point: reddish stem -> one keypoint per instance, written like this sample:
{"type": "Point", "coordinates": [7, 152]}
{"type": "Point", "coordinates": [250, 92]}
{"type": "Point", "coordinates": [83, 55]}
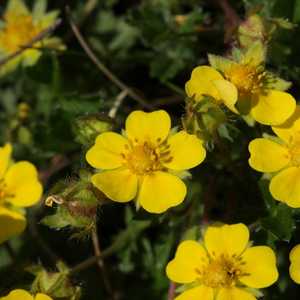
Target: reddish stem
{"type": "Point", "coordinates": [171, 292]}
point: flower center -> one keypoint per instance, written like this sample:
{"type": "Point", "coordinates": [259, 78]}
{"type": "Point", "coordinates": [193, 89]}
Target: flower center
{"type": "Point", "coordinates": [294, 150]}
{"type": "Point", "coordinates": [18, 31]}
{"type": "Point", "coordinates": [144, 158]}
{"type": "Point", "coordinates": [247, 79]}
{"type": "Point", "coordinates": [222, 272]}
{"type": "Point", "coordinates": [4, 195]}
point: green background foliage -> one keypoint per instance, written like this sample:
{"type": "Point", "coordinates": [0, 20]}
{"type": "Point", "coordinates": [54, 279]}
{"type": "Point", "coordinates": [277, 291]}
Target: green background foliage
{"type": "Point", "coordinates": [152, 46]}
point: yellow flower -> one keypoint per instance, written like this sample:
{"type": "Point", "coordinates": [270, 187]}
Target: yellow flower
{"type": "Point", "coordinates": [244, 87]}
{"type": "Point", "coordinates": [19, 27]}
{"type": "Point", "coordinates": [145, 163]}
{"type": "Point", "coordinates": [281, 156]}
{"type": "Point", "coordinates": [295, 264]}
{"type": "Point", "coordinates": [23, 295]}
{"type": "Point", "coordinates": [223, 266]}
{"type": "Point", "coordinates": [19, 187]}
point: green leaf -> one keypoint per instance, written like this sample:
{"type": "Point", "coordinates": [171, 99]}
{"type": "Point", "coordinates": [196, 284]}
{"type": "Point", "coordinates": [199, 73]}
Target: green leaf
{"type": "Point", "coordinates": [280, 223]}
{"type": "Point", "coordinates": [268, 199]}
{"type": "Point", "coordinates": [296, 16]}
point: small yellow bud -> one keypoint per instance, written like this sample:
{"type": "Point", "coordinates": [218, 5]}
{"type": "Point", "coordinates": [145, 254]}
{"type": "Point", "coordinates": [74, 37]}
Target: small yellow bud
{"type": "Point", "coordinates": [23, 110]}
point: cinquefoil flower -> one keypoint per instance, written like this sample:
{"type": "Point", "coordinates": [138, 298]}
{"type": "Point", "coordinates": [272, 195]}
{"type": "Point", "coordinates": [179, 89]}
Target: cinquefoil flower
{"type": "Point", "coordinates": [244, 86]}
{"type": "Point", "coordinates": [19, 27]}
{"type": "Point", "coordinates": [223, 266]}
{"type": "Point", "coordinates": [19, 187]}
{"type": "Point", "coordinates": [23, 295]}
{"type": "Point", "coordinates": [144, 164]}
{"type": "Point", "coordinates": [282, 157]}
{"type": "Point", "coordinates": [295, 264]}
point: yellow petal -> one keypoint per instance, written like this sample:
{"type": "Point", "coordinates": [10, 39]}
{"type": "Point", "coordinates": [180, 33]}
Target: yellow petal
{"type": "Point", "coordinates": [5, 154]}
{"type": "Point", "coordinates": [285, 186]}
{"type": "Point", "coordinates": [290, 129]}
{"type": "Point", "coordinates": [228, 93]}
{"type": "Point", "coordinates": [226, 239]}
{"type": "Point", "coordinates": [106, 153]}
{"type": "Point", "coordinates": [260, 264]}
{"type": "Point", "coordinates": [186, 150]}
{"type": "Point", "coordinates": [295, 272]}
{"type": "Point", "coordinates": [17, 7]}
{"type": "Point", "coordinates": [118, 185]}
{"type": "Point", "coordinates": [199, 293]}
{"type": "Point", "coordinates": [201, 83]}
{"type": "Point", "coordinates": [234, 294]}
{"type": "Point", "coordinates": [189, 257]}
{"type": "Point", "coordinates": [160, 191]}
{"type": "Point", "coordinates": [295, 264]}
{"type": "Point", "coordinates": [42, 297]}
{"type": "Point", "coordinates": [151, 127]}
{"type": "Point", "coordinates": [268, 156]}
{"type": "Point", "coordinates": [22, 183]}
{"type": "Point", "coordinates": [273, 108]}
{"type": "Point", "coordinates": [18, 295]}
{"type": "Point", "coordinates": [295, 254]}
{"type": "Point", "coordinates": [11, 224]}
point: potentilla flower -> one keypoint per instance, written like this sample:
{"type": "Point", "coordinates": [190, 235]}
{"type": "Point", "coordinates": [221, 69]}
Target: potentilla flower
{"type": "Point", "coordinates": [295, 264]}
{"type": "Point", "coordinates": [280, 156]}
{"type": "Point", "coordinates": [244, 86]}
{"type": "Point", "coordinates": [19, 28]}
{"type": "Point", "coordinates": [19, 188]}
{"type": "Point", "coordinates": [145, 163]}
{"type": "Point", "coordinates": [24, 295]}
{"type": "Point", "coordinates": [223, 266]}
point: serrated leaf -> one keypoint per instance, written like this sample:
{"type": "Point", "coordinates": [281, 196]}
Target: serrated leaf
{"type": "Point", "coordinates": [280, 223]}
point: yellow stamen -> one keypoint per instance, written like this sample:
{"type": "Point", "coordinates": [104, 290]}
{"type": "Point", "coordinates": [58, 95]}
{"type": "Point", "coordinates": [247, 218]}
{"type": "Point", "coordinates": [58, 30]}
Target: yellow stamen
{"type": "Point", "coordinates": [248, 79]}
{"type": "Point", "coordinates": [4, 194]}
{"type": "Point", "coordinates": [144, 158]}
{"type": "Point", "coordinates": [294, 150]}
{"type": "Point", "coordinates": [221, 272]}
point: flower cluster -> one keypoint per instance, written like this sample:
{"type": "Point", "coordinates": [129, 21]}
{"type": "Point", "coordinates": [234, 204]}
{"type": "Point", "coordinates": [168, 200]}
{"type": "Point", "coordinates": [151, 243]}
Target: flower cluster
{"type": "Point", "coordinates": [281, 157]}
{"type": "Point", "coordinates": [243, 86]}
{"type": "Point", "coordinates": [149, 162]}
{"type": "Point", "coordinates": [20, 28]}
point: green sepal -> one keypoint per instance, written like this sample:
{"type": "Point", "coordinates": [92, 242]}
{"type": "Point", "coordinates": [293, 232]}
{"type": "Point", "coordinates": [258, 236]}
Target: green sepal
{"type": "Point", "coordinates": [78, 201]}
{"type": "Point", "coordinates": [254, 55]}
{"type": "Point", "coordinates": [251, 30]}
{"type": "Point", "coordinates": [55, 284]}
{"type": "Point", "coordinates": [283, 23]}
{"type": "Point", "coordinates": [277, 83]}
{"type": "Point", "coordinates": [220, 63]}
